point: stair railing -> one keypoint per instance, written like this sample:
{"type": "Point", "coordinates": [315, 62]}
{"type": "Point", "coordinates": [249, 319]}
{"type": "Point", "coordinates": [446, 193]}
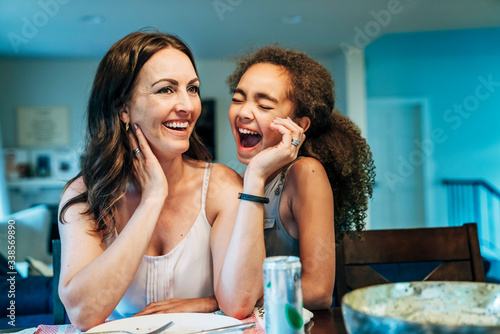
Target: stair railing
{"type": "Point", "coordinates": [476, 201]}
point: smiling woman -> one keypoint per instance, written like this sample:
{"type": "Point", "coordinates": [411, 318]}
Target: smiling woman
{"type": "Point", "coordinates": [168, 81]}
{"type": "Point", "coordinates": [144, 225]}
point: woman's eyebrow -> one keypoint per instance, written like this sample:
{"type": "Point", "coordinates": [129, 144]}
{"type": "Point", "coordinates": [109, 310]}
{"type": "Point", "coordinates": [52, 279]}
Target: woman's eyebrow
{"type": "Point", "coordinates": [175, 82]}
{"type": "Point", "coordinates": [172, 81]}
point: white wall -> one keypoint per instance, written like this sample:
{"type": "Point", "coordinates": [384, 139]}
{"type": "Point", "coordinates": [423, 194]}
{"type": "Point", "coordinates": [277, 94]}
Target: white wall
{"type": "Point", "coordinates": [32, 82]}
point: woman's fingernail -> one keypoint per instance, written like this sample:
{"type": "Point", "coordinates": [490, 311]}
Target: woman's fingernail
{"type": "Point", "coordinates": [289, 118]}
{"type": "Point", "coordinates": [136, 126]}
{"type": "Point", "coordinates": [278, 118]}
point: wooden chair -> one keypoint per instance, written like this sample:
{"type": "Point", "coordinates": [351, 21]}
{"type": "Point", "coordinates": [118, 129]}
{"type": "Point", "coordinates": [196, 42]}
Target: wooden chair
{"type": "Point", "coordinates": [455, 251]}
{"type": "Point", "coordinates": [58, 309]}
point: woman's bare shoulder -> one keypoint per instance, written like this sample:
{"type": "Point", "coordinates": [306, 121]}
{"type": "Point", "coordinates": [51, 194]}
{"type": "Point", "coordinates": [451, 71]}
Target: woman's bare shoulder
{"type": "Point", "coordinates": [73, 189]}
{"type": "Point", "coordinates": [218, 171]}
{"type": "Point", "coordinates": [226, 175]}
{"type": "Point", "coordinates": [75, 212]}
{"type": "Point", "coordinates": [223, 189]}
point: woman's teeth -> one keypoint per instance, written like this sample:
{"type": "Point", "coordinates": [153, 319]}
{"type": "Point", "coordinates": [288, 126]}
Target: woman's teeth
{"type": "Point", "coordinates": [176, 125]}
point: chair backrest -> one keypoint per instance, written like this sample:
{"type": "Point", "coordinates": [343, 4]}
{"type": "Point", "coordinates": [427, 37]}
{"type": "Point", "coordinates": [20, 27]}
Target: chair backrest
{"type": "Point", "coordinates": [33, 228]}
{"type": "Point", "coordinates": [58, 310]}
{"type": "Point", "coordinates": [455, 251]}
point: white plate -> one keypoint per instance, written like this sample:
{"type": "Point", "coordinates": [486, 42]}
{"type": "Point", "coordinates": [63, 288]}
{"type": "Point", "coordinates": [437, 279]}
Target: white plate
{"type": "Point", "coordinates": [184, 323]}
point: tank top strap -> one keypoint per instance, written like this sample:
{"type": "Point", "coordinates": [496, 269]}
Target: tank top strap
{"type": "Point", "coordinates": [282, 176]}
{"type": "Point", "coordinates": [206, 179]}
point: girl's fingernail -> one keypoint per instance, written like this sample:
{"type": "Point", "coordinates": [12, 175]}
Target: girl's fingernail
{"type": "Point", "coordinates": [136, 126]}
{"type": "Point", "coordinates": [289, 118]}
{"type": "Point", "coordinates": [277, 118]}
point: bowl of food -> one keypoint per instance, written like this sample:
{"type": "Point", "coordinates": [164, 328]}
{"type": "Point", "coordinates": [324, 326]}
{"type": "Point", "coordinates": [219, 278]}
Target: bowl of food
{"type": "Point", "coordinates": [423, 307]}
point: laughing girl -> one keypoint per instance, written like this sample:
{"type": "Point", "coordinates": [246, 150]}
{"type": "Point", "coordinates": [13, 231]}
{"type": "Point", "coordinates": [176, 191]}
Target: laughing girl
{"type": "Point", "coordinates": [309, 160]}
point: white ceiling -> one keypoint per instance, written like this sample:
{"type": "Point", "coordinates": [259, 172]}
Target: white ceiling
{"type": "Point", "coordinates": [221, 28]}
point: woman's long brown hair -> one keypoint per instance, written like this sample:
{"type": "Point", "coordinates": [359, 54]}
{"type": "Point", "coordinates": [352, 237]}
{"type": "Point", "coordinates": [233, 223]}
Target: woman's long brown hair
{"type": "Point", "coordinates": [107, 159]}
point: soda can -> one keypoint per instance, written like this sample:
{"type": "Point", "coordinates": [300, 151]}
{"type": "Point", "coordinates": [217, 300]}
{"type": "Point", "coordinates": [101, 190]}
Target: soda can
{"type": "Point", "coordinates": [283, 295]}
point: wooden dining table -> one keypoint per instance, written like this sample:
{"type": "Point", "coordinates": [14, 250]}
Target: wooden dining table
{"type": "Point", "coordinates": [327, 321]}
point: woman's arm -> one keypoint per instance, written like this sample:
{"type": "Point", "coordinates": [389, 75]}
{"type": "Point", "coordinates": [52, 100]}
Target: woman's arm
{"type": "Point", "coordinates": [310, 199]}
{"type": "Point", "coordinates": [93, 278]}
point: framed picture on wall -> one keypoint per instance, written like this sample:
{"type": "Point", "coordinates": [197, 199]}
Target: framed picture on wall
{"type": "Point", "coordinates": [43, 126]}
{"type": "Point", "coordinates": [205, 126]}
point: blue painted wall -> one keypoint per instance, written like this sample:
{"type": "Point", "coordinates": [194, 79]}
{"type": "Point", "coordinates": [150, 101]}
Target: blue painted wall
{"type": "Point", "coordinates": [458, 74]}
{"type": "Point", "coordinates": [453, 70]}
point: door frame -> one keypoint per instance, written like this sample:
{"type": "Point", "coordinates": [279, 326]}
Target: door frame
{"type": "Point", "coordinates": [427, 165]}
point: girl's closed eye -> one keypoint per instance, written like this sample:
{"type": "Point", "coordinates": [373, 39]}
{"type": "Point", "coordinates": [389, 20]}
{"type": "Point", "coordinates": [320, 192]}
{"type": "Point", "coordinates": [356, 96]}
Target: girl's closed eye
{"type": "Point", "coordinates": [265, 107]}
{"type": "Point", "coordinates": [238, 97]}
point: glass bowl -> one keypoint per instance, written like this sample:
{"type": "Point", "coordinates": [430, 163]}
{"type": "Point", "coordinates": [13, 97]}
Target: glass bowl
{"type": "Point", "coordinates": [423, 307]}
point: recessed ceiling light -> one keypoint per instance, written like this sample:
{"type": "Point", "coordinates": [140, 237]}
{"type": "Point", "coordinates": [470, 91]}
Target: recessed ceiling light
{"type": "Point", "coordinates": [92, 19]}
{"type": "Point", "coordinates": [291, 19]}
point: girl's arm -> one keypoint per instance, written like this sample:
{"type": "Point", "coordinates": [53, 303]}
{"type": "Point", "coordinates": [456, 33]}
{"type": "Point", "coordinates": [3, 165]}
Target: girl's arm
{"type": "Point", "coordinates": [237, 248]}
{"type": "Point", "coordinates": [93, 278]}
{"type": "Point", "coordinates": [239, 258]}
{"type": "Point", "coordinates": [310, 200]}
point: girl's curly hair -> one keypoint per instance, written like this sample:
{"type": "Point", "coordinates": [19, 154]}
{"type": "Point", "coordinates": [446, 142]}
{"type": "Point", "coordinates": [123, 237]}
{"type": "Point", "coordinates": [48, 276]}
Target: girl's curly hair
{"type": "Point", "coordinates": [332, 138]}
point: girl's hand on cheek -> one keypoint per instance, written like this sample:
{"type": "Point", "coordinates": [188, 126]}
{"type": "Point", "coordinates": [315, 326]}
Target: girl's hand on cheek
{"type": "Point", "coordinates": [273, 158]}
{"type": "Point", "coordinates": [147, 169]}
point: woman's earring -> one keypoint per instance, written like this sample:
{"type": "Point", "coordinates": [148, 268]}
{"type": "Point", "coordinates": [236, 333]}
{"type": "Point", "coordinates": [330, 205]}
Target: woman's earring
{"type": "Point", "coordinates": [126, 126]}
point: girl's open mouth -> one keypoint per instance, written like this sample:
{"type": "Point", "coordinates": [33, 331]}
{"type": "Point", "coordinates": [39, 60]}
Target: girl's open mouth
{"type": "Point", "coordinates": [249, 138]}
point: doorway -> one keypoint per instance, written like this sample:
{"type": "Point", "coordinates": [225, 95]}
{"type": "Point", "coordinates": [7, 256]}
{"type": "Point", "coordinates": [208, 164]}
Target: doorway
{"type": "Point", "coordinates": [395, 132]}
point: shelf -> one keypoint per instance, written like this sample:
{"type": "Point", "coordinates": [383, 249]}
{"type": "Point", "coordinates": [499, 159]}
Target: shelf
{"type": "Point", "coordinates": [36, 183]}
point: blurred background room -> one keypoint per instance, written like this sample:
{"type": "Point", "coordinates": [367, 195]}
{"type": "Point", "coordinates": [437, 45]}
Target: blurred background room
{"type": "Point", "coordinates": [421, 79]}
